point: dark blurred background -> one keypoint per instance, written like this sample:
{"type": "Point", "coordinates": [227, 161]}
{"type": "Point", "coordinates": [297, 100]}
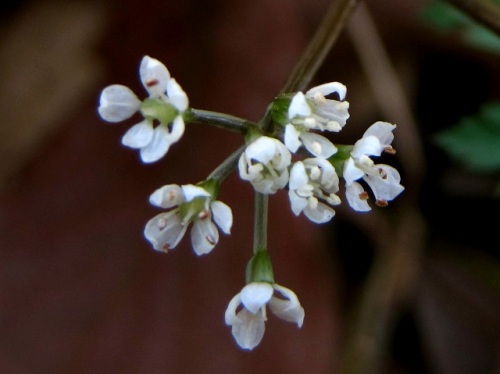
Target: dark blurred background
{"type": "Point", "coordinates": [413, 288]}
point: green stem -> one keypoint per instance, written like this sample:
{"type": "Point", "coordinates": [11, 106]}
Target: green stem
{"type": "Point", "coordinates": [227, 166]}
{"type": "Point", "coordinates": [221, 120]}
{"type": "Point", "coordinates": [260, 222]}
{"type": "Point", "coordinates": [320, 45]}
{"type": "Point", "coordinates": [315, 53]}
{"type": "Point", "coordinates": [312, 58]}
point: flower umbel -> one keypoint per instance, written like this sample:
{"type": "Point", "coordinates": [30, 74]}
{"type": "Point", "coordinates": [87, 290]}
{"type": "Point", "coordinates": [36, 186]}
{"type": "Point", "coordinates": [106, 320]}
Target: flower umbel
{"type": "Point", "coordinates": [190, 203]}
{"type": "Point", "coordinates": [165, 105]}
{"type": "Point", "coordinates": [248, 324]}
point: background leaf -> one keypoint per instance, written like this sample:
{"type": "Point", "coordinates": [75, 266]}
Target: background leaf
{"type": "Point", "coordinates": [475, 140]}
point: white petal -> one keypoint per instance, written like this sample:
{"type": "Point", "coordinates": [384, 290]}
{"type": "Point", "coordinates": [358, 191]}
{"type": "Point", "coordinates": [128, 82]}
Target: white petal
{"type": "Point", "coordinates": [333, 113]}
{"type": "Point", "coordinates": [243, 167]}
{"type": "Point", "coordinates": [204, 236]}
{"type": "Point", "coordinates": [262, 149]}
{"type": "Point", "coordinates": [329, 179]}
{"type": "Point", "coordinates": [165, 231]}
{"type": "Point", "coordinates": [289, 310]}
{"type": "Point", "coordinates": [351, 172]}
{"type": "Point", "coordinates": [327, 89]}
{"type": "Point", "coordinates": [167, 196]}
{"type": "Point", "coordinates": [298, 176]}
{"type": "Point", "coordinates": [318, 145]}
{"type": "Point", "coordinates": [177, 130]}
{"type": "Point", "coordinates": [383, 131]}
{"type": "Point", "coordinates": [256, 295]}
{"type": "Point", "coordinates": [222, 215]}
{"type": "Point", "coordinates": [158, 147]}
{"type": "Point", "coordinates": [249, 332]}
{"type": "Point", "coordinates": [117, 103]}
{"type": "Point", "coordinates": [230, 315]}
{"type": "Point", "coordinates": [291, 138]}
{"type": "Point", "coordinates": [297, 203]}
{"type": "Point", "coordinates": [282, 158]}
{"type": "Point", "coordinates": [385, 188]}
{"type": "Point", "coordinates": [352, 194]}
{"type": "Point", "coordinates": [191, 192]}
{"type": "Point", "coordinates": [368, 145]}
{"type": "Point", "coordinates": [177, 95]}
{"type": "Point", "coordinates": [139, 135]}
{"type": "Point", "coordinates": [322, 213]}
{"type": "Point", "coordinates": [299, 106]}
{"type": "Point", "coordinates": [266, 186]}
{"type": "Point", "coordinates": [154, 76]}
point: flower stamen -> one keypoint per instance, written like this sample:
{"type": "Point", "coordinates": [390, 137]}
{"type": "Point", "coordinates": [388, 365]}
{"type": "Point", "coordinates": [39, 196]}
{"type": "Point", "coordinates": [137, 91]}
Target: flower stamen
{"type": "Point", "coordinates": [152, 82]}
{"type": "Point", "coordinates": [211, 240]}
{"type": "Point", "coordinates": [204, 214]}
{"type": "Point", "coordinates": [390, 150]}
{"type": "Point", "coordinates": [364, 195]}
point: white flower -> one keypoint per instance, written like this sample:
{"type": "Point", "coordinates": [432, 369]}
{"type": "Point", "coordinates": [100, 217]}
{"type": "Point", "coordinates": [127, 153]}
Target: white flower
{"type": "Point", "coordinates": [384, 180]}
{"type": "Point", "coordinates": [313, 111]}
{"type": "Point", "coordinates": [118, 103]}
{"type": "Point", "coordinates": [248, 324]}
{"type": "Point", "coordinates": [330, 115]}
{"type": "Point", "coordinates": [297, 131]}
{"type": "Point", "coordinates": [313, 182]}
{"type": "Point", "coordinates": [264, 163]}
{"type": "Point", "coordinates": [166, 230]}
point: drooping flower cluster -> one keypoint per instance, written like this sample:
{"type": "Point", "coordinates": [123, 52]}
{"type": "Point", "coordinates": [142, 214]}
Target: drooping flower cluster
{"type": "Point", "coordinates": [166, 104]}
{"type": "Point", "coordinates": [189, 204]}
{"type": "Point", "coordinates": [248, 324]}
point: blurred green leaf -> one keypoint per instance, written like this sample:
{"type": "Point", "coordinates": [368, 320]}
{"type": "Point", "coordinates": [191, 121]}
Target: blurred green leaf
{"type": "Point", "coordinates": [446, 18]}
{"type": "Point", "coordinates": [443, 16]}
{"type": "Point", "coordinates": [475, 140]}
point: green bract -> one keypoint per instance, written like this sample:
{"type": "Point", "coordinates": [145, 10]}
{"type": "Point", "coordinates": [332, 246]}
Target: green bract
{"type": "Point", "coordinates": [259, 268]}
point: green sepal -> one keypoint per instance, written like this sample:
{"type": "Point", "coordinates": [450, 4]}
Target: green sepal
{"type": "Point", "coordinates": [212, 186]}
{"type": "Point", "coordinates": [252, 134]}
{"type": "Point", "coordinates": [188, 115]}
{"type": "Point", "coordinates": [157, 109]}
{"type": "Point", "coordinates": [338, 159]}
{"type": "Point", "coordinates": [260, 268]}
{"type": "Point", "coordinates": [190, 209]}
{"type": "Point", "coordinates": [279, 109]}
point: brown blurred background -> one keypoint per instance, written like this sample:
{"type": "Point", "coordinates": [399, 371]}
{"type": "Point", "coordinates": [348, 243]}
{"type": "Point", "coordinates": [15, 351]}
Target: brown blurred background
{"type": "Point", "coordinates": [412, 289]}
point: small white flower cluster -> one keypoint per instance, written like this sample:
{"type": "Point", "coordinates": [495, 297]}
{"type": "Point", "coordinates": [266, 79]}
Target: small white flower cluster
{"type": "Point", "coordinates": [166, 104]}
{"type": "Point", "coordinates": [248, 324]}
{"type": "Point", "coordinates": [313, 183]}
{"type": "Point", "coordinates": [266, 162]}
